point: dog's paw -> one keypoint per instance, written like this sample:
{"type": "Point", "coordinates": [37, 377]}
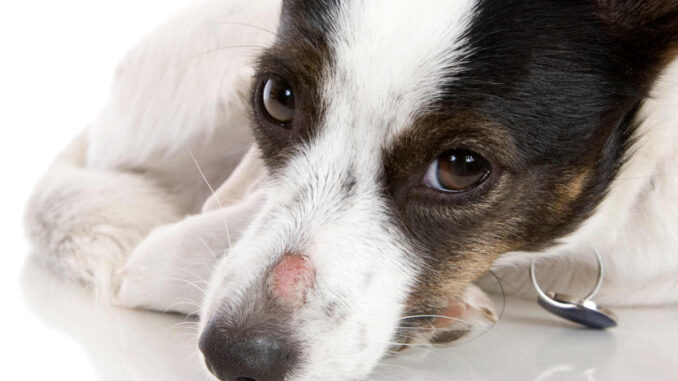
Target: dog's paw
{"type": "Point", "coordinates": [474, 313]}
{"type": "Point", "coordinates": [168, 271]}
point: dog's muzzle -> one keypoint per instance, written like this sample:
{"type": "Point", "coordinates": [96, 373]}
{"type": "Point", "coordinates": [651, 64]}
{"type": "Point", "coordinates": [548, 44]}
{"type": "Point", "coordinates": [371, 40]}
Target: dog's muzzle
{"type": "Point", "coordinates": [255, 343]}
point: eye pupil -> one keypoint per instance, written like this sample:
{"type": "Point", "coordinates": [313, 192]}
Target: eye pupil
{"type": "Point", "coordinates": [278, 101]}
{"type": "Point", "coordinates": [460, 170]}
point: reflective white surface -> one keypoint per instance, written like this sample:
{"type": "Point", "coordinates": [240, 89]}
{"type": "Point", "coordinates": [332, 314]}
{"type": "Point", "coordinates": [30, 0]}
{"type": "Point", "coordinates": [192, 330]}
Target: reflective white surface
{"type": "Point", "coordinates": [58, 57]}
{"type": "Point", "coordinates": [105, 343]}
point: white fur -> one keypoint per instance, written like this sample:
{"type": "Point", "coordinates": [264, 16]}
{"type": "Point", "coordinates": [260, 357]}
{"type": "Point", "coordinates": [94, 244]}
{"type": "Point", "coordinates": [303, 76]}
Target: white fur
{"type": "Point", "coordinates": [178, 102]}
{"type": "Point", "coordinates": [389, 47]}
{"type": "Point", "coordinates": [85, 222]}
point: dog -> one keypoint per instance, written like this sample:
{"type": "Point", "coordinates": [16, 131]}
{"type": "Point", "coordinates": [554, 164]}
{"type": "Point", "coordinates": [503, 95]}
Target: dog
{"type": "Point", "coordinates": [399, 150]}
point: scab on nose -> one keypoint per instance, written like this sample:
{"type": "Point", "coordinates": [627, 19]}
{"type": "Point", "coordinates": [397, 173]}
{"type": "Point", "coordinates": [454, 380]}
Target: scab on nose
{"type": "Point", "coordinates": [291, 279]}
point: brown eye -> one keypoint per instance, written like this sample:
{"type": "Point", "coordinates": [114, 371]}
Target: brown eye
{"type": "Point", "coordinates": [278, 101]}
{"type": "Point", "coordinates": [457, 170]}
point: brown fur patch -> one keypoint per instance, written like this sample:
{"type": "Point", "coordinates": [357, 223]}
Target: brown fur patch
{"type": "Point", "coordinates": [572, 190]}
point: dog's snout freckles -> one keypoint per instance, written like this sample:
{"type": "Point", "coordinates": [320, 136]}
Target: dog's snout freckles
{"type": "Point", "coordinates": [291, 280]}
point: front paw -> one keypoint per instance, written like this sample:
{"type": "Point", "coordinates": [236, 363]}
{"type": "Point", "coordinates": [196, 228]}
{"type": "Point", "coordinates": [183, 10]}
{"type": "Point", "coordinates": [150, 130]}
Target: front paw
{"type": "Point", "coordinates": [166, 272]}
{"type": "Point", "coordinates": [170, 269]}
{"type": "Point", "coordinates": [475, 312]}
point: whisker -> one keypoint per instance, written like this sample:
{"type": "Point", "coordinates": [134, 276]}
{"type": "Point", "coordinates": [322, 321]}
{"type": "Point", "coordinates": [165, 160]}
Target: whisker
{"type": "Point", "coordinates": [209, 249]}
{"type": "Point", "coordinates": [185, 302]}
{"type": "Point", "coordinates": [228, 234]}
{"type": "Point", "coordinates": [250, 26]}
{"type": "Point", "coordinates": [207, 52]}
{"type": "Point", "coordinates": [407, 345]}
{"type": "Point", "coordinates": [182, 325]}
{"type": "Point", "coordinates": [188, 282]}
{"type": "Point", "coordinates": [193, 335]}
{"type": "Point", "coordinates": [491, 332]}
{"type": "Point", "coordinates": [189, 331]}
{"type": "Point", "coordinates": [503, 296]}
{"type": "Point", "coordinates": [198, 278]}
{"type": "Point", "coordinates": [470, 324]}
{"type": "Point", "coordinates": [436, 317]}
{"type": "Point", "coordinates": [187, 323]}
{"type": "Point", "coordinates": [431, 329]}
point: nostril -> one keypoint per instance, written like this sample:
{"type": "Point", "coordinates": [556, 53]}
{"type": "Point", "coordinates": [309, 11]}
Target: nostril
{"type": "Point", "coordinates": [245, 379]}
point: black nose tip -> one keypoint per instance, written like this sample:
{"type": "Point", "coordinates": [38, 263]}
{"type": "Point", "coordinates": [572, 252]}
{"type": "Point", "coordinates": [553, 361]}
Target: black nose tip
{"type": "Point", "coordinates": [245, 357]}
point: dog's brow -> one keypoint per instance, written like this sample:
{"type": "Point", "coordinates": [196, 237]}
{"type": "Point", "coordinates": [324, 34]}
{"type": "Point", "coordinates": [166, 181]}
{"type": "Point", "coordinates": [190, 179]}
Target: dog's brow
{"type": "Point", "coordinates": [390, 57]}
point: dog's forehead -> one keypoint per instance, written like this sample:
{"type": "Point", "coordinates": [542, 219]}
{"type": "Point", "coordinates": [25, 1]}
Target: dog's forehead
{"type": "Point", "coordinates": [390, 56]}
{"type": "Point", "coordinates": [387, 59]}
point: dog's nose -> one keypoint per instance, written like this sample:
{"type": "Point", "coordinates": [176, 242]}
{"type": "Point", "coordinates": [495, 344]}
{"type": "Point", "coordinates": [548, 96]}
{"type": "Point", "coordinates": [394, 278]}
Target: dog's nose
{"type": "Point", "coordinates": [257, 357]}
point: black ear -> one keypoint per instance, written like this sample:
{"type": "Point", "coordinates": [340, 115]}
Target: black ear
{"type": "Point", "coordinates": [647, 22]}
{"type": "Point", "coordinates": [646, 34]}
{"type": "Point", "coordinates": [639, 13]}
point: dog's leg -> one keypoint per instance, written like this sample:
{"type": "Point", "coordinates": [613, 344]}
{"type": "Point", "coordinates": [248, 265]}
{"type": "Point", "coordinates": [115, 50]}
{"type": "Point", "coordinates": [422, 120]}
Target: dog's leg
{"type": "Point", "coordinates": [170, 269]}
{"type": "Point", "coordinates": [85, 221]}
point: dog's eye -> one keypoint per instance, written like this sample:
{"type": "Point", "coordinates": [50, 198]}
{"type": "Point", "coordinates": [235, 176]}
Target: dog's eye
{"type": "Point", "coordinates": [457, 170]}
{"type": "Point", "coordinates": [278, 101]}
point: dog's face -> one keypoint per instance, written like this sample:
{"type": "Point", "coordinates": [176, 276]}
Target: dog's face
{"type": "Point", "coordinates": [409, 144]}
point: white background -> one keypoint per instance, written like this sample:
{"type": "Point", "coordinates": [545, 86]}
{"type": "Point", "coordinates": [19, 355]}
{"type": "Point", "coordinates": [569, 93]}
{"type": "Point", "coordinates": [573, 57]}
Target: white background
{"type": "Point", "coordinates": [56, 63]}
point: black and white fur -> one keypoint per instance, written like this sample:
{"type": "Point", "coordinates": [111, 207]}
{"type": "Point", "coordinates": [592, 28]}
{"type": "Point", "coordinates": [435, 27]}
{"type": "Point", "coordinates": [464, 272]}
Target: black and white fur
{"type": "Point", "coordinates": [576, 103]}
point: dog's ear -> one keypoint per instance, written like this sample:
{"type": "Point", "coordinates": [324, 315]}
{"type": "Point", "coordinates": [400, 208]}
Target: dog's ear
{"type": "Point", "coordinates": [650, 25]}
{"type": "Point", "coordinates": [640, 14]}
{"type": "Point", "coordinates": [644, 35]}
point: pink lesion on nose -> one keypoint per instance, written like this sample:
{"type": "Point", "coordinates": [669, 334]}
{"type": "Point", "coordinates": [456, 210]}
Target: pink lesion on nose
{"type": "Point", "coordinates": [291, 280]}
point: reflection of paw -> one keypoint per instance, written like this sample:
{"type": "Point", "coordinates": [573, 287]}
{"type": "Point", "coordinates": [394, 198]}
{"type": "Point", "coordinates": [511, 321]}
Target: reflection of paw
{"type": "Point", "coordinates": [475, 311]}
